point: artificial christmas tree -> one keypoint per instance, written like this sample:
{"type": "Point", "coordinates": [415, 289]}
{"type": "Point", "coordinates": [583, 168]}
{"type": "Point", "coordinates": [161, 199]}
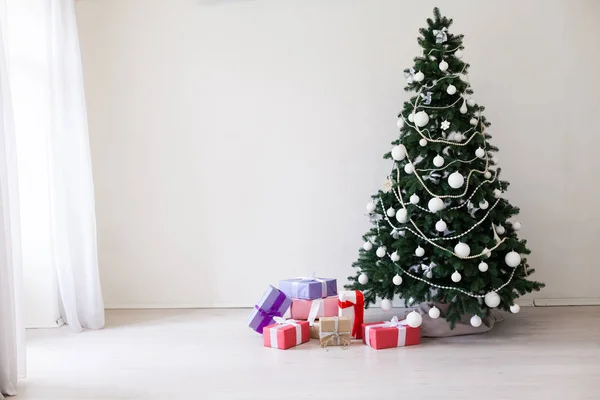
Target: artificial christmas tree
{"type": "Point", "coordinates": [442, 230]}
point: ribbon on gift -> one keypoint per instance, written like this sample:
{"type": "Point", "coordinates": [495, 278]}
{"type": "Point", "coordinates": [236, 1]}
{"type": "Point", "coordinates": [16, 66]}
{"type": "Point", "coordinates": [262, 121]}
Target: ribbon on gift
{"type": "Point", "coordinates": [271, 313]}
{"type": "Point", "coordinates": [394, 322]}
{"type": "Point", "coordinates": [315, 307]}
{"type": "Point", "coordinates": [282, 323]}
{"type": "Point", "coordinates": [441, 35]}
{"type": "Point", "coordinates": [312, 278]}
{"type": "Point", "coordinates": [359, 312]}
{"type": "Point", "coordinates": [333, 337]}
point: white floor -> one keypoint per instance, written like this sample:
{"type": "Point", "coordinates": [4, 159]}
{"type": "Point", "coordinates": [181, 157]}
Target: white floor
{"type": "Point", "coordinates": [541, 353]}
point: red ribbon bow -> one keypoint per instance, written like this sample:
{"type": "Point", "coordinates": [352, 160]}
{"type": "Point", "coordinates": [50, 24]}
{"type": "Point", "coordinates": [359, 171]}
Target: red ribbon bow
{"type": "Point", "coordinates": [359, 313]}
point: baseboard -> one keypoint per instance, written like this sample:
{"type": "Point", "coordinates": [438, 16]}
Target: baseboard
{"type": "Point", "coordinates": [566, 302]}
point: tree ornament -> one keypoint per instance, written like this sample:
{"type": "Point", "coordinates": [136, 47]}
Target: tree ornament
{"type": "Point", "coordinates": [419, 76]}
{"type": "Point", "coordinates": [371, 207]}
{"type": "Point", "coordinates": [463, 108]}
{"type": "Point", "coordinates": [435, 204]}
{"type": "Point", "coordinates": [434, 312]}
{"type": "Point", "coordinates": [387, 185]}
{"type": "Point", "coordinates": [456, 277]}
{"type": "Point", "coordinates": [458, 54]}
{"type": "Point", "coordinates": [486, 253]}
{"type": "Point", "coordinates": [399, 152]}
{"type": "Point", "coordinates": [445, 125]}
{"type": "Point", "coordinates": [480, 153]}
{"type": "Point", "coordinates": [381, 251]}
{"type": "Point", "coordinates": [400, 122]}
{"type": "Point", "coordinates": [470, 102]}
{"type": "Point", "coordinates": [411, 117]}
{"type": "Point", "coordinates": [397, 280]}
{"type": "Point", "coordinates": [420, 252]}
{"type": "Point", "coordinates": [483, 266]}
{"type": "Point", "coordinates": [515, 308]}
{"type": "Point", "coordinates": [497, 193]}
{"type": "Point", "coordinates": [414, 319]}
{"type": "Point", "coordinates": [438, 161]}
{"type": "Point", "coordinates": [492, 300]}
{"type": "Point", "coordinates": [476, 321]}
{"type": "Point", "coordinates": [390, 212]}
{"type": "Point", "coordinates": [443, 66]}
{"type": "Point", "coordinates": [451, 89]}
{"type": "Point", "coordinates": [432, 58]}
{"type": "Point", "coordinates": [402, 216]}
{"type": "Point", "coordinates": [516, 226]}
{"type": "Point", "coordinates": [500, 230]}
{"type": "Point", "coordinates": [487, 175]}
{"type": "Point", "coordinates": [456, 180]}
{"type": "Point", "coordinates": [414, 199]}
{"type": "Point", "coordinates": [367, 246]}
{"type": "Point", "coordinates": [421, 119]}
{"type": "Point", "coordinates": [395, 257]}
{"type": "Point", "coordinates": [423, 142]}
{"type": "Point", "coordinates": [441, 226]}
{"type": "Point", "coordinates": [462, 250]}
{"type": "Point", "coordinates": [512, 259]}
{"type": "Point", "coordinates": [363, 279]}
{"type": "Point", "coordinates": [386, 305]}
{"type": "Point", "coordinates": [473, 121]}
{"type": "Point", "coordinates": [484, 205]}
{"type": "Point", "coordinates": [409, 169]}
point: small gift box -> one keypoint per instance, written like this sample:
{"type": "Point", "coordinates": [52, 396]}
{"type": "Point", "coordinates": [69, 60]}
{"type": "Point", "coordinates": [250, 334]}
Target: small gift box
{"type": "Point", "coordinates": [315, 330]}
{"type": "Point", "coordinates": [310, 310]}
{"type": "Point", "coordinates": [335, 331]}
{"type": "Point", "coordinates": [274, 303]}
{"type": "Point", "coordinates": [309, 288]}
{"type": "Point", "coordinates": [352, 304]}
{"type": "Point", "coordinates": [286, 333]}
{"type": "Point", "coordinates": [394, 333]}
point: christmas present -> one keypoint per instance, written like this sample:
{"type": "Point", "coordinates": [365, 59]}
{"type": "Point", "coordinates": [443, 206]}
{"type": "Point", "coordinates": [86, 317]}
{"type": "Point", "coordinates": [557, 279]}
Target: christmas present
{"type": "Point", "coordinates": [335, 331]}
{"type": "Point", "coordinates": [309, 288]}
{"type": "Point", "coordinates": [394, 333]}
{"type": "Point", "coordinates": [285, 333]}
{"type": "Point", "coordinates": [310, 310]}
{"type": "Point", "coordinates": [274, 303]}
{"type": "Point", "coordinates": [315, 330]}
{"type": "Point", "coordinates": [352, 304]}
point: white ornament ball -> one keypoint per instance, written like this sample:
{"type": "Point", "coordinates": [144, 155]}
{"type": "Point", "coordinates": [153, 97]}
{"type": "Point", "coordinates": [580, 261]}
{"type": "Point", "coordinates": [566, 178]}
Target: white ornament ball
{"type": "Point", "coordinates": [451, 89]}
{"type": "Point", "coordinates": [409, 169]}
{"type": "Point", "coordinates": [397, 280]}
{"type": "Point", "coordinates": [399, 152]}
{"type": "Point", "coordinates": [414, 319]}
{"type": "Point", "coordinates": [419, 76]}
{"type": "Point", "coordinates": [421, 119]}
{"type": "Point", "coordinates": [414, 199]}
{"type": "Point", "coordinates": [386, 305]}
{"type": "Point", "coordinates": [516, 225]}
{"type": "Point", "coordinates": [462, 250]}
{"type": "Point", "coordinates": [486, 253]}
{"type": "Point", "coordinates": [512, 259]}
{"type": "Point", "coordinates": [500, 230]}
{"type": "Point", "coordinates": [492, 300]}
{"type": "Point", "coordinates": [458, 54]}
{"type": "Point", "coordinates": [400, 122]}
{"type": "Point", "coordinates": [402, 215]}
{"type": "Point", "coordinates": [456, 277]}
{"type": "Point", "coordinates": [367, 246]}
{"type": "Point", "coordinates": [411, 117]}
{"type": "Point", "coordinates": [441, 226]}
{"type": "Point", "coordinates": [456, 180]}
{"type": "Point", "coordinates": [434, 312]}
{"type": "Point", "coordinates": [371, 207]}
{"type": "Point", "coordinates": [363, 279]}
{"type": "Point", "coordinates": [480, 153]}
{"type": "Point", "coordinates": [443, 66]}
{"type": "Point", "coordinates": [463, 109]}
{"type": "Point", "coordinates": [473, 121]}
{"type": "Point", "coordinates": [395, 257]}
{"type": "Point", "coordinates": [484, 205]}
{"type": "Point", "coordinates": [476, 321]}
{"type": "Point", "coordinates": [423, 142]}
{"type": "Point", "coordinates": [435, 204]}
{"type": "Point", "coordinates": [497, 193]}
{"type": "Point", "coordinates": [483, 266]}
{"type": "Point", "coordinates": [420, 252]}
{"type": "Point", "coordinates": [390, 212]}
{"type": "Point", "coordinates": [381, 251]}
{"type": "Point", "coordinates": [470, 102]}
{"type": "Point", "coordinates": [515, 308]}
{"type": "Point", "coordinates": [487, 175]}
{"type": "Point", "coordinates": [438, 161]}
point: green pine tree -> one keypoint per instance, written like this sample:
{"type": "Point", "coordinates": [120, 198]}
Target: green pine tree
{"type": "Point", "coordinates": [442, 230]}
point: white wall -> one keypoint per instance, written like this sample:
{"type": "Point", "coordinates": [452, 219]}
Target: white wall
{"type": "Point", "coordinates": [236, 142]}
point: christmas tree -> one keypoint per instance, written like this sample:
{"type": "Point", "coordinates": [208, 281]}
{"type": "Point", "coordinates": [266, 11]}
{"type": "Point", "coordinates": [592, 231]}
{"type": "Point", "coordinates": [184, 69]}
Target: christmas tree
{"type": "Point", "coordinates": [442, 230]}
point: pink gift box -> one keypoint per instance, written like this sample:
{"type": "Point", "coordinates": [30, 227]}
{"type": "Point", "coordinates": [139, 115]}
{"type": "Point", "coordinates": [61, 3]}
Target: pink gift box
{"type": "Point", "coordinates": [314, 309]}
{"type": "Point", "coordinates": [284, 334]}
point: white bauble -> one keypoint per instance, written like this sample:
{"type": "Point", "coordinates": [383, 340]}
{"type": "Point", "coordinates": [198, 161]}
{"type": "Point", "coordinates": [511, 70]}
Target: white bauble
{"type": "Point", "coordinates": [451, 89]}
{"type": "Point", "coordinates": [462, 250]}
{"type": "Point", "coordinates": [397, 280]}
{"type": "Point", "coordinates": [395, 257]}
{"type": "Point", "coordinates": [411, 117]}
{"type": "Point", "coordinates": [487, 175]}
{"type": "Point", "coordinates": [421, 119]}
{"type": "Point", "coordinates": [434, 312]}
{"type": "Point", "coordinates": [441, 226]}
{"type": "Point", "coordinates": [497, 193]}
{"type": "Point", "coordinates": [456, 277]}
{"type": "Point", "coordinates": [363, 279]}
{"type": "Point", "coordinates": [414, 199]}
{"type": "Point", "coordinates": [483, 266]}
{"type": "Point", "coordinates": [443, 66]}
{"type": "Point", "coordinates": [480, 153]}
{"type": "Point", "coordinates": [516, 225]}
{"type": "Point", "coordinates": [435, 204]}
{"type": "Point", "coordinates": [402, 216]}
{"type": "Point", "coordinates": [390, 212]}
{"type": "Point", "coordinates": [386, 305]}
{"type": "Point", "coordinates": [419, 76]}
{"type": "Point", "coordinates": [463, 108]}
{"type": "Point", "coordinates": [458, 54]}
{"type": "Point", "coordinates": [470, 102]}
{"type": "Point", "coordinates": [486, 253]}
{"type": "Point", "coordinates": [473, 121]}
{"type": "Point", "coordinates": [414, 319]}
{"type": "Point", "coordinates": [484, 205]}
{"type": "Point", "coordinates": [500, 230]}
{"type": "Point", "coordinates": [515, 308]}
{"type": "Point", "coordinates": [367, 246]}
{"type": "Point", "coordinates": [420, 252]}
{"type": "Point", "coordinates": [423, 142]}
{"type": "Point", "coordinates": [512, 259]}
{"type": "Point", "coordinates": [456, 180]}
{"type": "Point", "coordinates": [371, 207]}
{"type": "Point", "coordinates": [399, 152]}
{"type": "Point", "coordinates": [438, 161]}
{"type": "Point", "coordinates": [476, 321]}
{"type": "Point", "coordinates": [492, 300]}
{"type": "Point", "coordinates": [400, 122]}
{"type": "Point", "coordinates": [381, 251]}
{"type": "Point", "coordinates": [409, 169]}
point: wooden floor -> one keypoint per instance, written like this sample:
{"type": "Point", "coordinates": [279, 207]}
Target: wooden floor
{"type": "Point", "coordinates": [539, 354]}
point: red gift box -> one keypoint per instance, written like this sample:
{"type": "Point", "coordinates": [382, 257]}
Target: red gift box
{"type": "Point", "coordinates": [286, 333]}
{"type": "Point", "coordinates": [394, 333]}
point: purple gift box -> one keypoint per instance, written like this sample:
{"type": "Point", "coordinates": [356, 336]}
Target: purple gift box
{"type": "Point", "coordinates": [309, 288]}
{"type": "Point", "coordinates": [274, 303]}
